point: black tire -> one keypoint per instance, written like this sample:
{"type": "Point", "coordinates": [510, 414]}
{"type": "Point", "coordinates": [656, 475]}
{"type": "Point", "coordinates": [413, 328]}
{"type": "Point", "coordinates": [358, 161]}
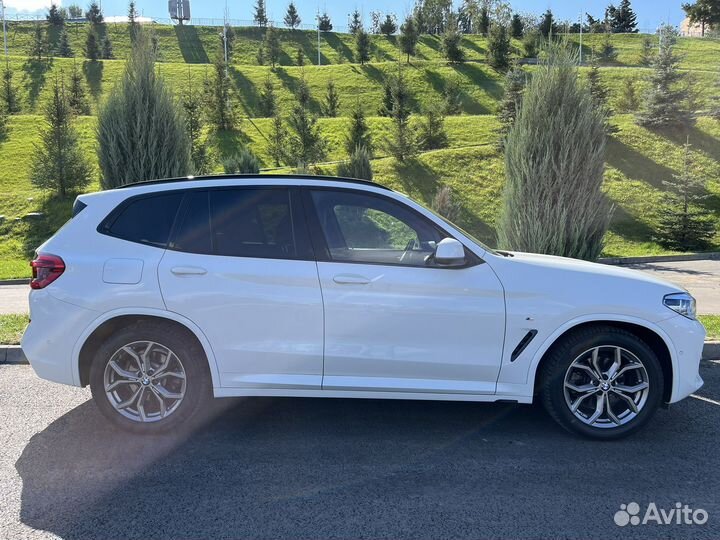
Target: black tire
{"type": "Point", "coordinates": [198, 384]}
{"type": "Point", "coordinates": [563, 354]}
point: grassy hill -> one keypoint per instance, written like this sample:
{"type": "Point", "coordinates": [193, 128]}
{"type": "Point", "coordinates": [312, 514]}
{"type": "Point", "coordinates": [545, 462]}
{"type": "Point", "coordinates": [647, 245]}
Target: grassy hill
{"type": "Point", "coordinates": [638, 160]}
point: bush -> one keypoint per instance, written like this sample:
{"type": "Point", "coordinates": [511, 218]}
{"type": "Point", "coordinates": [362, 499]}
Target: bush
{"type": "Point", "coordinates": [432, 129]}
{"type": "Point", "coordinates": [358, 166]}
{"type": "Point", "coordinates": [242, 162]}
{"type": "Point", "coordinates": [444, 204]}
{"type": "Point", "coordinates": [498, 52]}
{"type": "Point", "coordinates": [141, 133]}
{"type": "Point", "coordinates": [554, 162]}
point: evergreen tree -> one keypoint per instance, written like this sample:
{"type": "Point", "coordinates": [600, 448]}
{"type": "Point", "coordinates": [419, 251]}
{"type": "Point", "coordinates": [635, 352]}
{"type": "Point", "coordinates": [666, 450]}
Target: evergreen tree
{"type": "Point", "coordinates": [133, 25]}
{"type": "Point", "coordinates": [278, 139]}
{"type": "Point", "coordinates": [704, 12]}
{"type": "Point", "coordinates": [292, 18]}
{"type": "Point", "coordinates": [243, 161]}
{"type": "Point", "coordinates": [77, 101]}
{"type": "Point", "coordinates": [452, 96]}
{"type": "Point", "coordinates": [3, 124]}
{"type": "Point", "coordinates": [107, 50]}
{"type": "Point", "coordinates": [268, 100]}
{"type": "Point", "coordinates": [92, 50]}
{"type": "Point", "coordinates": [324, 23]}
{"type": "Point", "coordinates": [498, 51]}
{"type": "Point", "coordinates": [260, 57]}
{"type": "Point", "coordinates": [629, 101]}
{"type": "Point", "coordinates": [647, 52]}
{"type": "Point", "coordinates": [359, 133]}
{"type": "Point", "coordinates": [387, 104]}
{"type": "Point", "coordinates": [40, 44]}
{"type": "Point", "coordinates": [300, 57]}
{"type": "Point", "coordinates": [141, 133]}
{"type": "Point", "coordinates": [194, 124]}
{"type": "Point", "coordinates": [64, 49]}
{"type": "Point", "coordinates": [94, 14]}
{"type": "Point", "coordinates": [484, 22]}
{"type": "Point", "coordinates": [663, 102]}
{"type": "Point", "coordinates": [608, 53]}
{"type": "Point", "coordinates": [307, 145]}
{"type": "Point", "coordinates": [432, 129]}
{"type": "Point", "coordinates": [554, 165]}
{"type": "Point", "coordinates": [220, 108]}
{"type": "Point", "coordinates": [362, 46]}
{"type": "Point", "coordinates": [408, 38]}
{"type": "Point", "coordinates": [598, 90]}
{"type": "Point", "coordinates": [355, 22]}
{"type": "Point", "coordinates": [272, 45]}
{"type": "Point", "coordinates": [358, 166]}
{"type": "Point", "coordinates": [331, 106]}
{"type": "Point", "coordinates": [75, 11]}
{"type": "Point", "coordinates": [516, 27]}
{"type": "Point", "coordinates": [59, 163]}
{"type": "Point", "coordinates": [684, 225]}
{"type": "Point", "coordinates": [10, 101]}
{"type": "Point", "coordinates": [511, 102]}
{"type": "Point", "coordinates": [303, 92]}
{"type": "Point", "coordinates": [547, 25]}
{"type": "Point", "coordinates": [388, 26]}
{"type": "Point", "coordinates": [452, 50]}
{"type": "Point", "coordinates": [402, 143]}
{"type": "Point", "coordinates": [55, 16]}
{"type": "Point", "coordinates": [531, 43]}
{"type": "Point", "coordinates": [625, 20]}
{"type": "Point", "coordinates": [260, 15]}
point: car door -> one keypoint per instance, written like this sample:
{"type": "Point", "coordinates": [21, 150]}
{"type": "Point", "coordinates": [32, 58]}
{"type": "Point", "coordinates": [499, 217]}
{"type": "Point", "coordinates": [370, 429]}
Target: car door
{"type": "Point", "coordinates": [394, 320]}
{"type": "Point", "coordinates": [240, 266]}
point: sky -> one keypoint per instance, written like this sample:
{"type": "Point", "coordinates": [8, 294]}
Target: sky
{"type": "Point", "coordinates": [650, 13]}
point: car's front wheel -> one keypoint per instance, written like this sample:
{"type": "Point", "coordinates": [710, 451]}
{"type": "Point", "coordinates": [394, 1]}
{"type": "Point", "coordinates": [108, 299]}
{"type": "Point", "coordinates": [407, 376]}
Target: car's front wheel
{"type": "Point", "coordinates": [602, 382]}
{"type": "Point", "coordinates": [149, 377]}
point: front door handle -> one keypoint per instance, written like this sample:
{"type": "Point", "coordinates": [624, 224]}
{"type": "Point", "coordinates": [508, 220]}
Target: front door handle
{"type": "Point", "coordinates": [188, 271]}
{"type": "Point", "coordinates": [351, 279]}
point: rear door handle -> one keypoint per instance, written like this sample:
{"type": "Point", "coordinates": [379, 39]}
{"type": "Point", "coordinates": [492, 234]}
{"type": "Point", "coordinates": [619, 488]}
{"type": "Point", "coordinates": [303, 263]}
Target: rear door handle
{"type": "Point", "coordinates": [188, 271]}
{"type": "Point", "coordinates": [351, 279]}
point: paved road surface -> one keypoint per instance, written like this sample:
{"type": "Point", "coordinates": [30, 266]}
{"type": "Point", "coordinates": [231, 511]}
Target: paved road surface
{"type": "Point", "coordinates": [701, 278]}
{"type": "Point", "coordinates": [312, 468]}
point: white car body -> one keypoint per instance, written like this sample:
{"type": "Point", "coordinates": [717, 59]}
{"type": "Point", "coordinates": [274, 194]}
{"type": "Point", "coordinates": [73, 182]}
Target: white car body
{"type": "Point", "coordinates": [312, 328]}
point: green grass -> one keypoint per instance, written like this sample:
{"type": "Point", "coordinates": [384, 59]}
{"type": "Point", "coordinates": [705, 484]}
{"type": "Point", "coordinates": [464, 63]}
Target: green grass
{"type": "Point", "coordinates": [12, 328]}
{"type": "Point", "coordinates": [712, 326]}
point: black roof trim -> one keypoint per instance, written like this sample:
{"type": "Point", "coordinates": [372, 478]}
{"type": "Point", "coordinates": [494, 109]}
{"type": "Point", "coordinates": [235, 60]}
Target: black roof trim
{"type": "Point", "coordinates": [240, 176]}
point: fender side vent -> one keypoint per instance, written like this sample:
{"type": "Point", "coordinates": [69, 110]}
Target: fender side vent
{"type": "Point", "coordinates": [524, 342]}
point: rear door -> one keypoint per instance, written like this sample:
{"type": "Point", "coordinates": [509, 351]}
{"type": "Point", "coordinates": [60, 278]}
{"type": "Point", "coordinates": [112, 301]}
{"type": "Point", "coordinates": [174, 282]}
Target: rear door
{"type": "Point", "coordinates": [240, 266]}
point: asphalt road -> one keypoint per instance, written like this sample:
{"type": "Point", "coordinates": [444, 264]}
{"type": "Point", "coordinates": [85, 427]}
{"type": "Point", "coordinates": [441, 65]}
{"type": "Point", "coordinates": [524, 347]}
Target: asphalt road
{"type": "Point", "coordinates": [701, 278]}
{"type": "Point", "coordinates": [312, 468]}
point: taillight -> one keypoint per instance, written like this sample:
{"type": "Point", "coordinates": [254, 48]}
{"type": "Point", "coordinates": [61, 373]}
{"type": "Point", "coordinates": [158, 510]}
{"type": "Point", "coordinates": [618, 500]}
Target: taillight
{"type": "Point", "coordinates": [46, 268]}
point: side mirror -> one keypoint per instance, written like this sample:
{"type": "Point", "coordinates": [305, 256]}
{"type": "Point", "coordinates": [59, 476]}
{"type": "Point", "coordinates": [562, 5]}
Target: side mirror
{"type": "Point", "coordinates": [449, 252]}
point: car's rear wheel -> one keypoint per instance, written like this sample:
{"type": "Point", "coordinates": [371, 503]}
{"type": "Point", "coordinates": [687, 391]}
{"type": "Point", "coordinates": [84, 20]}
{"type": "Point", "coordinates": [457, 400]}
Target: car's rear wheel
{"type": "Point", "coordinates": [602, 382]}
{"type": "Point", "coordinates": [149, 377]}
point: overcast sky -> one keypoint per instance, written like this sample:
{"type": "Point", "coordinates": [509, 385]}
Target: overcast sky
{"type": "Point", "coordinates": [650, 12]}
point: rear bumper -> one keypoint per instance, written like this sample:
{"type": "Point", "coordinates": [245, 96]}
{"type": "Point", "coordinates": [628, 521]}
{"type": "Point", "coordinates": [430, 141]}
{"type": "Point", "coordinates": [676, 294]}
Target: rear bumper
{"type": "Point", "coordinates": [687, 337]}
{"type": "Point", "coordinates": [49, 340]}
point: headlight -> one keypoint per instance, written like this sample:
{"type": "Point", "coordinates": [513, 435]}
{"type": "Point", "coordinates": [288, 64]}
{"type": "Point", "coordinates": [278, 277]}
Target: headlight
{"type": "Point", "coordinates": [682, 303]}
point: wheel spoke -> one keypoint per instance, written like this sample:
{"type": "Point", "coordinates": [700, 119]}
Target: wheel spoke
{"type": "Point", "coordinates": [631, 389]}
{"type": "Point", "coordinates": [144, 356]}
{"type": "Point", "coordinates": [630, 401]}
{"type": "Point", "coordinates": [123, 372]}
{"type": "Point", "coordinates": [625, 369]}
{"type": "Point", "coordinates": [579, 401]}
{"type": "Point", "coordinates": [125, 404]}
{"type": "Point", "coordinates": [595, 363]}
{"type": "Point", "coordinates": [171, 374]}
{"type": "Point", "coordinates": [165, 393]}
{"type": "Point", "coordinates": [608, 409]}
{"type": "Point", "coordinates": [141, 405]}
{"type": "Point", "coordinates": [583, 389]}
{"type": "Point", "coordinates": [117, 383]}
{"type": "Point", "coordinates": [590, 371]}
{"type": "Point", "coordinates": [599, 408]}
{"type": "Point", "coordinates": [132, 354]}
{"type": "Point", "coordinates": [166, 363]}
{"type": "Point", "coordinates": [161, 401]}
{"type": "Point", "coordinates": [617, 362]}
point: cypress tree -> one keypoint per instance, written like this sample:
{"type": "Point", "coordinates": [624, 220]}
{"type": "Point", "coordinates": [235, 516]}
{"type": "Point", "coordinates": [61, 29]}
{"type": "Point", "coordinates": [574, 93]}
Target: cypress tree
{"type": "Point", "coordinates": [358, 166]}
{"type": "Point", "coordinates": [515, 82]}
{"type": "Point", "coordinates": [59, 163]}
{"type": "Point", "coordinates": [141, 132]}
{"type": "Point", "coordinates": [444, 204]}
{"type": "Point", "coordinates": [133, 25]}
{"type": "Point", "coordinates": [243, 161]}
{"type": "Point", "coordinates": [498, 52]}
{"type": "Point", "coordinates": [268, 100]}
{"type": "Point", "coordinates": [331, 106]}
{"type": "Point", "coordinates": [359, 132]}
{"type": "Point", "coordinates": [554, 163]}
{"type": "Point", "coordinates": [362, 46]}
{"type": "Point", "coordinates": [402, 143]}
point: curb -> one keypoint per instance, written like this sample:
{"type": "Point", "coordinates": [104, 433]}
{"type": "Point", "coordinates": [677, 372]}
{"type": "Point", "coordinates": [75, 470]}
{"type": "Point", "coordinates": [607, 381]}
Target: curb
{"type": "Point", "coordinates": [13, 354]}
{"type": "Point", "coordinates": [24, 281]}
{"type": "Point", "coordinates": [621, 261]}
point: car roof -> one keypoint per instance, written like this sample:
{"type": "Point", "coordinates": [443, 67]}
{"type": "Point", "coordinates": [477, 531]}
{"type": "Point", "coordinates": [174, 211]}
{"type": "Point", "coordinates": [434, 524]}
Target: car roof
{"type": "Point", "coordinates": [275, 177]}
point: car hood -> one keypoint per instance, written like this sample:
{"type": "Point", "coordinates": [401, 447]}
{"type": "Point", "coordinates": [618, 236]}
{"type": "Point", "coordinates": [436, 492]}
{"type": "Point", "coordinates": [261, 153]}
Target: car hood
{"type": "Point", "coordinates": [591, 269]}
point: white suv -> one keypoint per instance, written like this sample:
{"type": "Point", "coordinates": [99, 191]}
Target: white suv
{"type": "Point", "coordinates": [161, 294]}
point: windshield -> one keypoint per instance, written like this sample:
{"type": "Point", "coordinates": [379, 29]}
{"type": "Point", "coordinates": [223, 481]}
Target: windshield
{"type": "Point", "coordinates": [470, 236]}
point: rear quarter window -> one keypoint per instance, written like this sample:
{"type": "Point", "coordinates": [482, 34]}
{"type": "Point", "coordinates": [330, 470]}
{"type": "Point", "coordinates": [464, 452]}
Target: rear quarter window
{"type": "Point", "coordinates": [145, 220]}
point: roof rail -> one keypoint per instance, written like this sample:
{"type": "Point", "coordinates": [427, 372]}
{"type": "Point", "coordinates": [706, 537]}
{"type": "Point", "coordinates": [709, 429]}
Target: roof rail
{"type": "Point", "coordinates": [239, 176]}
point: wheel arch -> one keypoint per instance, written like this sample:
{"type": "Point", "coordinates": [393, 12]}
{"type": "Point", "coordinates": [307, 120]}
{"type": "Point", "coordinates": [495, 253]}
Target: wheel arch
{"type": "Point", "coordinates": [105, 325]}
{"type": "Point", "coordinates": [651, 335]}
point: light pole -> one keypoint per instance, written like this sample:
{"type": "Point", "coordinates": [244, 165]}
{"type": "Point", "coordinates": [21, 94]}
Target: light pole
{"type": "Point", "coordinates": [2, 11]}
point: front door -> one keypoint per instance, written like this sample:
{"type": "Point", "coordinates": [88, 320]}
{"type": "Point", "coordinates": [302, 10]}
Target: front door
{"type": "Point", "coordinates": [394, 321]}
{"type": "Point", "coordinates": [240, 267]}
